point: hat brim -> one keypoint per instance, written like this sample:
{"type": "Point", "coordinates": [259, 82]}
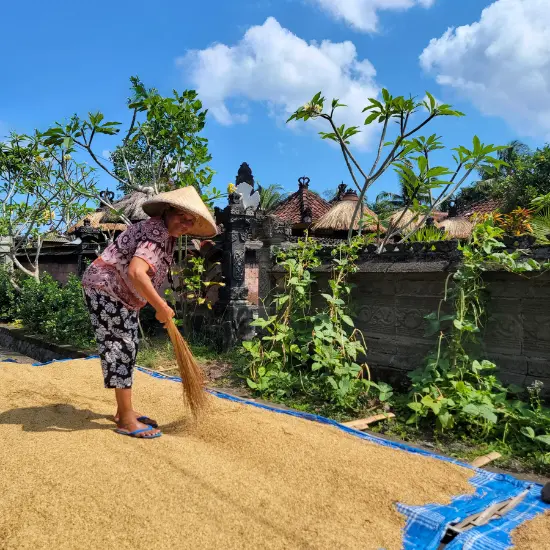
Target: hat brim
{"type": "Point", "coordinates": [204, 226]}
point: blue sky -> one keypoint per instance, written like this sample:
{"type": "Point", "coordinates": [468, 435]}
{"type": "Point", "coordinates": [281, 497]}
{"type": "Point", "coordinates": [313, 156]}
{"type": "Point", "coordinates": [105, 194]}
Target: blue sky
{"type": "Point", "coordinates": [62, 58]}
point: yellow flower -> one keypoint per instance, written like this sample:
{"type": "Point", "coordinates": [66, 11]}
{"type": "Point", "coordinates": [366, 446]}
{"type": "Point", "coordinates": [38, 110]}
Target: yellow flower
{"type": "Point", "coordinates": [67, 157]}
{"type": "Point", "coordinates": [231, 188]}
{"type": "Point", "coordinates": [49, 216]}
{"type": "Point", "coordinates": [39, 159]}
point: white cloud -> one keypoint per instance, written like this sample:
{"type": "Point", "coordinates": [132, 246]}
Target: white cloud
{"type": "Point", "coordinates": [362, 14]}
{"type": "Point", "coordinates": [273, 66]}
{"type": "Point", "coordinates": [501, 63]}
{"type": "Point", "coordinates": [106, 154]}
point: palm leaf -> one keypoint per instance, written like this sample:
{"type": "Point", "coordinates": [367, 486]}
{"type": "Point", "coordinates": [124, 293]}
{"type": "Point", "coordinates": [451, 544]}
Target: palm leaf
{"type": "Point", "coordinates": [541, 226]}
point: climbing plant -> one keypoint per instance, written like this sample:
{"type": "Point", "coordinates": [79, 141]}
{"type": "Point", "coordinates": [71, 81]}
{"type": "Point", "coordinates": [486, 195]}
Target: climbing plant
{"type": "Point", "coordinates": [458, 388]}
{"type": "Point", "coordinates": [308, 350]}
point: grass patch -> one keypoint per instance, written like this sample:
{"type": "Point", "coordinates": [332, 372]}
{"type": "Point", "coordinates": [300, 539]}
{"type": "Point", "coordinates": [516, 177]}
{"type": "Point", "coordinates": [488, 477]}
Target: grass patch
{"type": "Point", "coordinates": [463, 448]}
{"type": "Point", "coordinates": [221, 369]}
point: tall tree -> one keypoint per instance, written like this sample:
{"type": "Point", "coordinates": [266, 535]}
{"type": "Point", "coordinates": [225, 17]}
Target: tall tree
{"type": "Point", "coordinates": [162, 147]}
{"type": "Point", "coordinates": [510, 156]}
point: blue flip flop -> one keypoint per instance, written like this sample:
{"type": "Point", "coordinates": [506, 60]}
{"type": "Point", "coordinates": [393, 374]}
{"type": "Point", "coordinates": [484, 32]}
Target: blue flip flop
{"type": "Point", "coordinates": [136, 432]}
{"type": "Point", "coordinates": [148, 421]}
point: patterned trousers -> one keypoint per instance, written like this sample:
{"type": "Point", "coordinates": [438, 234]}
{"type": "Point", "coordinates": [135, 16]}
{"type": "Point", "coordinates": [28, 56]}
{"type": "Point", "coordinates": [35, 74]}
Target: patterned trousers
{"type": "Point", "coordinates": [116, 332]}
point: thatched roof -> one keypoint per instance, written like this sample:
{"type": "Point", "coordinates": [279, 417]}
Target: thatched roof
{"type": "Point", "coordinates": [130, 205]}
{"type": "Point", "coordinates": [339, 217]}
{"type": "Point", "coordinates": [106, 219]}
{"type": "Point", "coordinates": [303, 207]}
{"type": "Point", "coordinates": [456, 227]}
{"type": "Point", "coordinates": [53, 237]}
{"type": "Point", "coordinates": [96, 221]}
{"type": "Point", "coordinates": [438, 215]}
{"type": "Point", "coordinates": [397, 221]}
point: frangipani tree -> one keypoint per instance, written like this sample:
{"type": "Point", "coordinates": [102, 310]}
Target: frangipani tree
{"type": "Point", "coordinates": [41, 188]}
{"type": "Point", "coordinates": [403, 148]}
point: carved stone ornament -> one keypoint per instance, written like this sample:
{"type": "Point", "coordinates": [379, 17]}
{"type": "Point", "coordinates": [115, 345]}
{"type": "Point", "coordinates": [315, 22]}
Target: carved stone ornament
{"type": "Point", "coordinates": [244, 175]}
{"type": "Point", "coordinates": [249, 199]}
{"type": "Point", "coordinates": [238, 265]}
{"type": "Point", "coordinates": [274, 227]}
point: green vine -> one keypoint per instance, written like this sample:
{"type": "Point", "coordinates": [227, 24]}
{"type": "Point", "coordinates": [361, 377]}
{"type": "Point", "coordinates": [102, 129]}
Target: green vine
{"type": "Point", "coordinates": [458, 389]}
{"type": "Point", "coordinates": [309, 351]}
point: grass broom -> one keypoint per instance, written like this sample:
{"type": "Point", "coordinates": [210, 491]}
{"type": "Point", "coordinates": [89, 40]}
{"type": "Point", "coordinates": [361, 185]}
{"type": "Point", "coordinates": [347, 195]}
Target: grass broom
{"type": "Point", "coordinates": [191, 375]}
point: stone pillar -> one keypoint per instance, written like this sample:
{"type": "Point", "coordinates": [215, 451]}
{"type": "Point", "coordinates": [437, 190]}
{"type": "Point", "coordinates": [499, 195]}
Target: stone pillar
{"type": "Point", "coordinates": [89, 244]}
{"type": "Point", "coordinates": [273, 233]}
{"type": "Point", "coordinates": [232, 308]}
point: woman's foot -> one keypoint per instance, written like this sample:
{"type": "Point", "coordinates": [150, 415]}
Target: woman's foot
{"type": "Point", "coordinates": [138, 416]}
{"type": "Point", "coordinates": [130, 424]}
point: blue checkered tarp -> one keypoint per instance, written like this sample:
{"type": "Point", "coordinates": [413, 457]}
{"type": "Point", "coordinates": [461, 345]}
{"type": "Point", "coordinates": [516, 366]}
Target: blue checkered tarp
{"type": "Point", "coordinates": [426, 525]}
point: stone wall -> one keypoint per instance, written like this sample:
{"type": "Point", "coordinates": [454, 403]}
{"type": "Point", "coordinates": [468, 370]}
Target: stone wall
{"type": "Point", "coordinates": [59, 267]}
{"type": "Point", "coordinates": [391, 305]}
{"type": "Point", "coordinates": [33, 346]}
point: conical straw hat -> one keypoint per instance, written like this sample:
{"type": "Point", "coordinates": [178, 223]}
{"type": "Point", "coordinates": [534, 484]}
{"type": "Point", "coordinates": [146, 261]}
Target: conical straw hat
{"type": "Point", "coordinates": [188, 200]}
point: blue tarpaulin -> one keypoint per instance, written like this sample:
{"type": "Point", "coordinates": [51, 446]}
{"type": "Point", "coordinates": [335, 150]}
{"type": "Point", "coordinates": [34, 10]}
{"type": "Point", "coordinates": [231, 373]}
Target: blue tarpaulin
{"type": "Point", "coordinates": [426, 525]}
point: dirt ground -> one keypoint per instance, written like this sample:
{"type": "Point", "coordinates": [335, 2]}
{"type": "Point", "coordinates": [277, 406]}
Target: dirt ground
{"type": "Point", "coordinates": [240, 478]}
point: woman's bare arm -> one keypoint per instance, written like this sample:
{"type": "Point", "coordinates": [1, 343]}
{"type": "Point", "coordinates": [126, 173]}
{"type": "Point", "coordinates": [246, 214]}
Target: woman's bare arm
{"type": "Point", "coordinates": [137, 273]}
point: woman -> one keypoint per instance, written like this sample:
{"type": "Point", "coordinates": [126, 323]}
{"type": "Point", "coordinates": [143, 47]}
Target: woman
{"type": "Point", "coordinates": [126, 277]}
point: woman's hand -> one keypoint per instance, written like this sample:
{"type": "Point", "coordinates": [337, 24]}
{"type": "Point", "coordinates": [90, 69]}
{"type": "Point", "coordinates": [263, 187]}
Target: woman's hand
{"type": "Point", "coordinates": [137, 272]}
{"type": "Point", "coordinates": [164, 314]}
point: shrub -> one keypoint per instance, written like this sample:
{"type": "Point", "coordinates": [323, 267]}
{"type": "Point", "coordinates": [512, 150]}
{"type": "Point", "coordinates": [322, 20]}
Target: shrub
{"type": "Point", "coordinates": [8, 295]}
{"type": "Point", "coordinates": [56, 312]}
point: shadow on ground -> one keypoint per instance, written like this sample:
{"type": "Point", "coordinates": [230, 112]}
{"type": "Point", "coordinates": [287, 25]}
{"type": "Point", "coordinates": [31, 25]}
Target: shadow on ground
{"type": "Point", "coordinates": [54, 418]}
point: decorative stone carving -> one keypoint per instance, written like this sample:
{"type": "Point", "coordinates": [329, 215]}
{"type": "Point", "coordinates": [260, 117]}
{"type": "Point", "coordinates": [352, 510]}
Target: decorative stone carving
{"type": "Point", "coordinates": [244, 175]}
{"type": "Point", "coordinates": [276, 228]}
{"type": "Point", "coordinates": [238, 267]}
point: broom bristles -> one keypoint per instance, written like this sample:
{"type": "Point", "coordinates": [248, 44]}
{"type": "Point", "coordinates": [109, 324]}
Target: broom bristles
{"type": "Point", "coordinates": [191, 375]}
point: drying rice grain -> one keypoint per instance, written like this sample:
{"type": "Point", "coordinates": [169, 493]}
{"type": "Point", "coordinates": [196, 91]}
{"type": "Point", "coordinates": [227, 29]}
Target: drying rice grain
{"type": "Point", "coordinates": [534, 534]}
{"type": "Point", "coordinates": [241, 478]}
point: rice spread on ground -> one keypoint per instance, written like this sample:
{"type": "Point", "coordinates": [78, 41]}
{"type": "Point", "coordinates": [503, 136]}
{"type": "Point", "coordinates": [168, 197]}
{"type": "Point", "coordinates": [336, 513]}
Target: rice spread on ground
{"type": "Point", "coordinates": [534, 534]}
{"type": "Point", "coordinates": [242, 477]}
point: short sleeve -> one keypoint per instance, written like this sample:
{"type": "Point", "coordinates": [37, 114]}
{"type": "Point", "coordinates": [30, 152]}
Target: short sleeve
{"type": "Point", "coordinates": [151, 252]}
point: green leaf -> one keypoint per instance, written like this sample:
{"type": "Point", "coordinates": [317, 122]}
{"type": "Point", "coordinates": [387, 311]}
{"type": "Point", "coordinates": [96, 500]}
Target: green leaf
{"type": "Point", "coordinates": [416, 407]}
{"type": "Point", "coordinates": [432, 101]}
{"type": "Point", "coordinates": [471, 409]}
{"type": "Point", "coordinates": [477, 145]}
{"type": "Point", "coordinates": [252, 384]}
{"type": "Point", "coordinates": [371, 118]}
{"type": "Point", "coordinates": [487, 413]}
{"type": "Point", "coordinates": [445, 419]}
{"type": "Point", "coordinates": [528, 432]}
{"type": "Point", "coordinates": [544, 438]}
{"type": "Point", "coordinates": [348, 320]}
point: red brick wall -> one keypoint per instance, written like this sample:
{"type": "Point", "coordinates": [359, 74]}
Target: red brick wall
{"type": "Point", "coordinates": [251, 280]}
